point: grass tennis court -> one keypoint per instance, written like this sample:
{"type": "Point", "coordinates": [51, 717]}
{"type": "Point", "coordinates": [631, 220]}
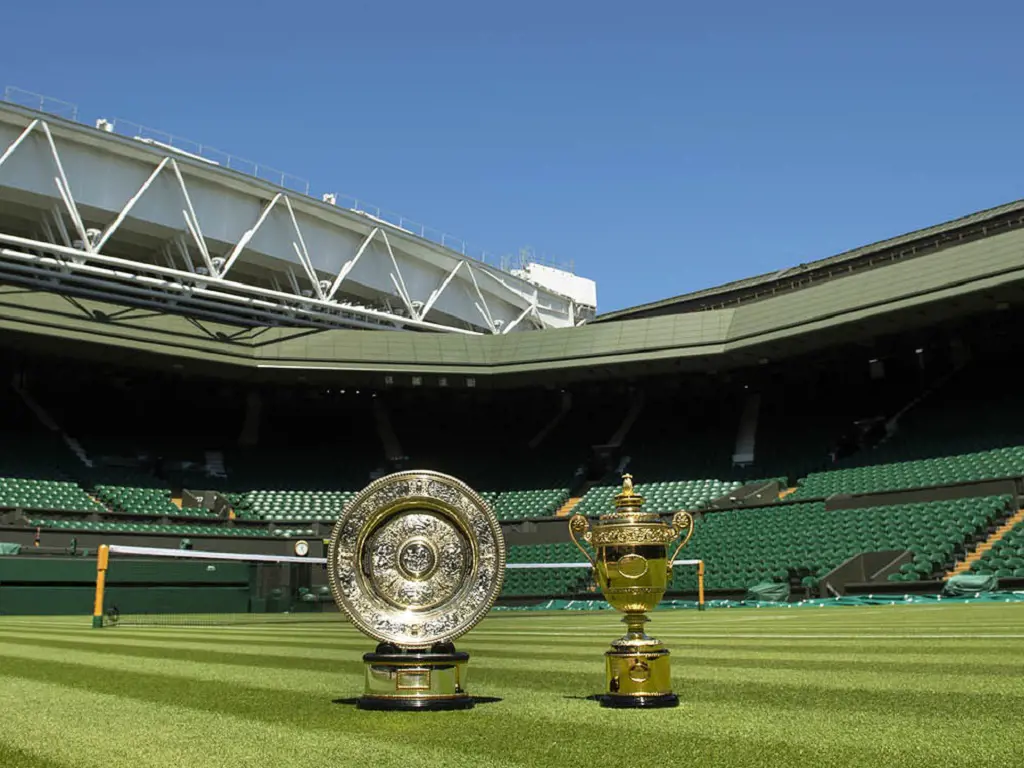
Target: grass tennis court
{"type": "Point", "coordinates": [867, 686]}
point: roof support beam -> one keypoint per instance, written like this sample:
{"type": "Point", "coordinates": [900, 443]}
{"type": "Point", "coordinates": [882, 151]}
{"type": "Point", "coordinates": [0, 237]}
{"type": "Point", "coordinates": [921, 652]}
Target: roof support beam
{"type": "Point", "coordinates": [399, 282]}
{"type": "Point", "coordinates": [481, 306]}
{"type": "Point", "coordinates": [123, 214]}
{"type": "Point", "coordinates": [438, 291]}
{"type": "Point", "coordinates": [303, 254]}
{"type": "Point", "coordinates": [530, 308]}
{"type": "Point", "coordinates": [192, 222]}
{"type": "Point", "coordinates": [247, 236]}
{"type": "Point", "coordinates": [65, 190]}
{"type": "Point", "coordinates": [17, 142]}
{"type": "Point", "coordinates": [350, 265]}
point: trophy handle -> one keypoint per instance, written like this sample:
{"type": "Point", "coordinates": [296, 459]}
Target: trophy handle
{"type": "Point", "coordinates": [580, 524]}
{"type": "Point", "coordinates": [679, 519]}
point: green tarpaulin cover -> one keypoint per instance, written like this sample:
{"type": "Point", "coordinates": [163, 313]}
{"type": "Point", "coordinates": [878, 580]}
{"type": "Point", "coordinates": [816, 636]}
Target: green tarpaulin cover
{"type": "Point", "coordinates": [823, 602]}
{"type": "Point", "coordinates": [970, 584]}
{"type": "Point", "coordinates": [6, 548]}
{"type": "Point", "coordinates": [768, 592]}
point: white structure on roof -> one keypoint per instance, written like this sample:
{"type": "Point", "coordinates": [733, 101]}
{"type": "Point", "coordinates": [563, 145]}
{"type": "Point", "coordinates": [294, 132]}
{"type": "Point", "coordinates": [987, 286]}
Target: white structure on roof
{"type": "Point", "coordinates": [89, 212]}
{"type": "Point", "coordinates": [581, 290]}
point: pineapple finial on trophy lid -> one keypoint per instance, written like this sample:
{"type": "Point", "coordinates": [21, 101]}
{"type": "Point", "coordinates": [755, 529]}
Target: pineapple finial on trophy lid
{"type": "Point", "coordinates": [628, 501]}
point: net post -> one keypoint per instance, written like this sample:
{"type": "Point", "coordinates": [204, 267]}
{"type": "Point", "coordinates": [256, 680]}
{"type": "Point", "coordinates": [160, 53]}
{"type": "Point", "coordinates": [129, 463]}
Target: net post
{"type": "Point", "coordinates": [102, 562]}
{"type": "Point", "coordinates": [700, 585]}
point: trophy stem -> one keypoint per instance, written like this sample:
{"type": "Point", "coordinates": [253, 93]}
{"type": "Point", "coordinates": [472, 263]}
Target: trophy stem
{"type": "Point", "coordinates": [635, 624]}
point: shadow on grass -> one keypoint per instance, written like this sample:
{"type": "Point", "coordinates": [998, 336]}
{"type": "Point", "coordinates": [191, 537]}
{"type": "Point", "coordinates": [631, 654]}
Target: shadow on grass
{"type": "Point", "coordinates": [351, 702]}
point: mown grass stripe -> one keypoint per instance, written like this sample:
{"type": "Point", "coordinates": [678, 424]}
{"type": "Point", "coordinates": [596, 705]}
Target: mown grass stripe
{"type": "Point", "coordinates": [15, 757]}
{"type": "Point", "coordinates": [796, 691]}
{"type": "Point", "coordinates": [280, 655]}
{"type": "Point", "coordinates": [741, 706]}
{"type": "Point", "coordinates": [112, 731]}
{"type": "Point", "coordinates": [551, 722]}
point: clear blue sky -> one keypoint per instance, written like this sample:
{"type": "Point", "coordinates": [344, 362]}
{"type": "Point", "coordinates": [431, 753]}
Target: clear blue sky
{"type": "Point", "coordinates": [662, 147]}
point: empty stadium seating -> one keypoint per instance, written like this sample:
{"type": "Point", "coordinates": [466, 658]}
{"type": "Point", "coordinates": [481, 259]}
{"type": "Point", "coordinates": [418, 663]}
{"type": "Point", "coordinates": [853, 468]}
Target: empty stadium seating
{"type": "Point", "coordinates": [33, 476]}
{"type": "Point", "coordinates": [324, 506]}
{"type": "Point", "coordinates": [515, 505]}
{"type": "Point", "coordinates": [50, 495]}
{"type": "Point", "coordinates": [144, 502]}
{"type": "Point", "coordinates": [669, 496]}
{"type": "Point", "coordinates": [292, 506]}
{"type": "Point", "coordinates": [743, 547]}
{"type": "Point", "coordinates": [539, 582]}
{"type": "Point", "coordinates": [127, 527]}
{"type": "Point", "coordinates": [982, 465]}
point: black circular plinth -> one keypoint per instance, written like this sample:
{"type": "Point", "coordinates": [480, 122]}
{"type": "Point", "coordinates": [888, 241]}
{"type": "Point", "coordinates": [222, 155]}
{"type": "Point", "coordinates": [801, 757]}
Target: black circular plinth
{"type": "Point", "coordinates": [412, 657]}
{"type": "Point", "coordinates": [615, 701]}
{"type": "Point", "coordinates": [414, 705]}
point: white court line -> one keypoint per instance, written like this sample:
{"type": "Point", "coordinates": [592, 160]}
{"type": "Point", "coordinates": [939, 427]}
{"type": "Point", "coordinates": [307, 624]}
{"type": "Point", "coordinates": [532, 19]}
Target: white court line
{"type": "Point", "coordinates": [770, 635]}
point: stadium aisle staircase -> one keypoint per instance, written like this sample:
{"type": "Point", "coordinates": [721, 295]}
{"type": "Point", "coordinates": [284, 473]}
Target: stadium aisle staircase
{"type": "Point", "coordinates": [566, 509]}
{"type": "Point", "coordinates": [1005, 557]}
{"type": "Point", "coordinates": [985, 546]}
{"type": "Point", "coordinates": [145, 502]}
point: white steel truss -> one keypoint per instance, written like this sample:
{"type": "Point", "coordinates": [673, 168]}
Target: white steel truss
{"type": "Point", "coordinates": [80, 259]}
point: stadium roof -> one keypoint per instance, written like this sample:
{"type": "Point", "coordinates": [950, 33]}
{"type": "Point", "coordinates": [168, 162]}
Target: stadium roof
{"type": "Point", "coordinates": [959, 271]}
{"type": "Point", "coordinates": [980, 224]}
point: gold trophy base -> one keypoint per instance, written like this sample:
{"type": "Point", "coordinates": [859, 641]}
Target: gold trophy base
{"type": "Point", "coordinates": [638, 671]}
{"type": "Point", "coordinates": [428, 681]}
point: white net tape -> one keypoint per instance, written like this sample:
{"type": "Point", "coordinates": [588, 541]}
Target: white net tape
{"type": "Point", "coordinates": [579, 565]}
{"type": "Point", "coordinates": [190, 554]}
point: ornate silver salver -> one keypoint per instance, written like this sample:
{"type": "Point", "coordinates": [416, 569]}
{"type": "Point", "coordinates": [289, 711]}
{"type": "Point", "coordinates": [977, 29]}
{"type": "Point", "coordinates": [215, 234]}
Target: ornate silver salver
{"type": "Point", "coordinates": [416, 558]}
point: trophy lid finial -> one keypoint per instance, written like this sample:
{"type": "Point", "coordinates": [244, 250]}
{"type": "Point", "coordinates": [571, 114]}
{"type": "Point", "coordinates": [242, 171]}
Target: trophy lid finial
{"type": "Point", "coordinates": [627, 485]}
{"type": "Point", "coordinates": [628, 500]}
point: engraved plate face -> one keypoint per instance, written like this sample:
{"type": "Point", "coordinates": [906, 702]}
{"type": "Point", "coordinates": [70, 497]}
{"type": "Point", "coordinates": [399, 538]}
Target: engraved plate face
{"type": "Point", "coordinates": [416, 558]}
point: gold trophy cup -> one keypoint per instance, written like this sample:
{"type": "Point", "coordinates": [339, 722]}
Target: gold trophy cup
{"type": "Point", "coordinates": [633, 571]}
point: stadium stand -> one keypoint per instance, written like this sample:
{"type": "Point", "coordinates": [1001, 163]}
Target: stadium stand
{"type": "Point", "coordinates": [529, 452]}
